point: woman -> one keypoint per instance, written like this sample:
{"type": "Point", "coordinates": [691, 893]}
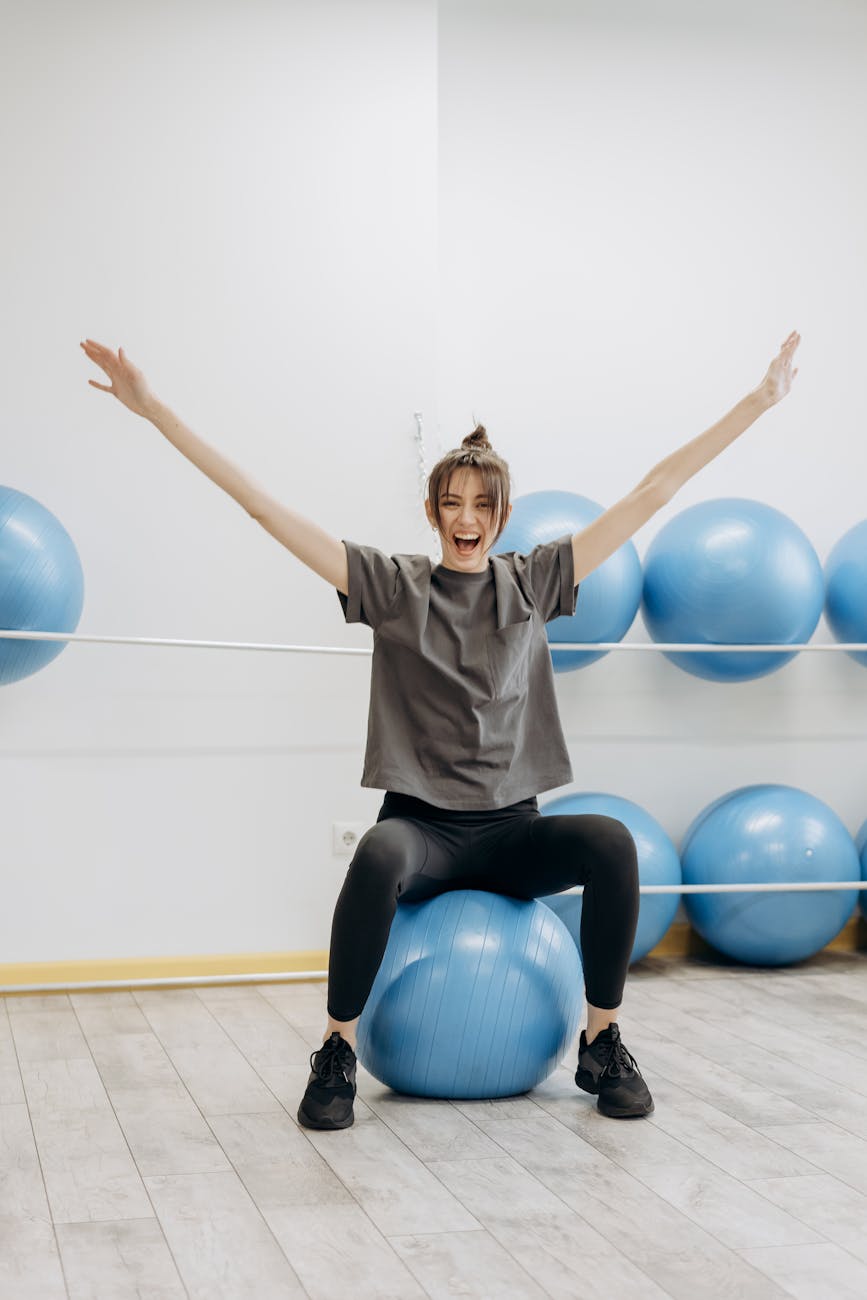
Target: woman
{"type": "Point", "coordinates": [463, 728]}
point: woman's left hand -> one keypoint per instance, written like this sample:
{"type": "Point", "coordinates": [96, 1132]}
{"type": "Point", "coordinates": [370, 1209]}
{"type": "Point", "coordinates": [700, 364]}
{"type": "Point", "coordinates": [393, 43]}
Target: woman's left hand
{"type": "Point", "coordinates": [778, 380]}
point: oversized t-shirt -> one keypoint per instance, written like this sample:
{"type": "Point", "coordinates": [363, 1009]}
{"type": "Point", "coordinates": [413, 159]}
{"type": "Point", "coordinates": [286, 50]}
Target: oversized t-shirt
{"type": "Point", "coordinates": [462, 706]}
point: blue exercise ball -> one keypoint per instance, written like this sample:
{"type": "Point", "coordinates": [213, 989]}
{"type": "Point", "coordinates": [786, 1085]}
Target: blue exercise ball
{"type": "Point", "coordinates": [478, 995]}
{"type": "Point", "coordinates": [731, 571]}
{"type": "Point", "coordinates": [608, 599]}
{"type": "Point", "coordinates": [658, 864]}
{"type": "Point", "coordinates": [769, 834]}
{"type": "Point", "coordinates": [846, 589]}
{"type": "Point", "coordinates": [861, 846]}
{"type": "Point", "coordinates": [41, 583]}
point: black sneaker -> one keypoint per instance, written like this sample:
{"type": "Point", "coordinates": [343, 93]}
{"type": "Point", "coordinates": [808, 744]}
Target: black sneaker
{"type": "Point", "coordinates": [606, 1068]}
{"type": "Point", "coordinates": [327, 1103]}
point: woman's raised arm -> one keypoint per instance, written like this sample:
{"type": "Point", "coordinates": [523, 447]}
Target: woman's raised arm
{"type": "Point", "coordinates": [593, 544]}
{"type": "Point", "coordinates": [317, 549]}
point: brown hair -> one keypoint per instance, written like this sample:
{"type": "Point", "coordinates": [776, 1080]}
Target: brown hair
{"type": "Point", "coordinates": [475, 452]}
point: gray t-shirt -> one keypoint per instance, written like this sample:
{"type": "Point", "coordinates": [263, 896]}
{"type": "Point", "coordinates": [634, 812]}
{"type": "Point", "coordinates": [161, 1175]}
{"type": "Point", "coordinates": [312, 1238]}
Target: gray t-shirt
{"type": "Point", "coordinates": [462, 706]}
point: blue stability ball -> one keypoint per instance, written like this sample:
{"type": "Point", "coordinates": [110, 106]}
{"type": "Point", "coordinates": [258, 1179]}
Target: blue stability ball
{"type": "Point", "coordinates": [41, 583]}
{"type": "Point", "coordinates": [768, 833]}
{"type": "Point", "coordinates": [861, 846]}
{"type": "Point", "coordinates": [658, 864]}
{"type": "Point", "coordinates": [846, 589]}
{"type": "Point", "coordinates": [609, 598]}
{"type": "Point", "coordinates": [733, 571]}
{"type": "Point", "coordinates": [478, 995]}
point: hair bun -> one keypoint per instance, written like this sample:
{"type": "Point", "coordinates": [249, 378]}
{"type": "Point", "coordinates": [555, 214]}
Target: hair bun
{"type": "Point", "coordinates": [478, 439]}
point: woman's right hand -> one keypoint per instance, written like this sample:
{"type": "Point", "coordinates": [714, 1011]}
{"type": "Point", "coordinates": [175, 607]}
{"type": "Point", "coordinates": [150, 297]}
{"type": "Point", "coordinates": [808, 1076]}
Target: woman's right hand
{"type": "Point", "coordinates": [778, 381]}
{"type": "Point", "coordinates": [127, 383]}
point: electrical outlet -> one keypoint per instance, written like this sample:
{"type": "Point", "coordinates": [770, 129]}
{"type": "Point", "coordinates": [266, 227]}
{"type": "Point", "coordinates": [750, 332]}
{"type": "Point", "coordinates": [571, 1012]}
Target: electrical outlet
{"type": "Point", "coordinates": [345, 837]}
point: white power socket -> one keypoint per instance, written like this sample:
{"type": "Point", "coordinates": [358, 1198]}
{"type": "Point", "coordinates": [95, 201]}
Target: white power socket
{"type": "Point", "coordinates": [345, 837]}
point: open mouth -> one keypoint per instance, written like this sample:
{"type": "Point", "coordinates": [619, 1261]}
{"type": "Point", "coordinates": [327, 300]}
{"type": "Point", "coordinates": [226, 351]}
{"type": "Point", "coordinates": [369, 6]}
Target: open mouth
{"type": "Point", "coordinates": [466, 545]}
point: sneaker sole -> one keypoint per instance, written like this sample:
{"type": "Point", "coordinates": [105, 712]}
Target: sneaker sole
{"type": "Point", "coordinates": [585, 1080]}
{"type": "Point", "coordinates": [622, 1112]}
{"type": "Point", "coordinates": [309, 1122]}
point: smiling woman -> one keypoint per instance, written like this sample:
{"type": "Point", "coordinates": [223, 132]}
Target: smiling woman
{"type": "Point", "coordinates": [463, 726]}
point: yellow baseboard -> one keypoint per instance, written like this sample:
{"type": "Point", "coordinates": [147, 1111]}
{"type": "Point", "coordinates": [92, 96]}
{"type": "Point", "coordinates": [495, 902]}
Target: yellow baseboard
{"type": "Point", "coordinates": [179, 969]}
{"type": "Point", "coordinates": [682, 941]}
{"type": "Point", "coordinates": [21, 978]}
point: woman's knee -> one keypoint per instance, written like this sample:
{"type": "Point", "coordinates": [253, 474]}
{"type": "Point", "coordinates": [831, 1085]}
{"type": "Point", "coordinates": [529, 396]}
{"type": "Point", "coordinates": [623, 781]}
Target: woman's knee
{"type": "Point", "coordinates": [617, 851]}
{"type": "Point", "coordinates": [588, 847]}
{"type": "Point", "coordinates": [604, 849]}
{"type": "Point", "coordinates": [386, 854]}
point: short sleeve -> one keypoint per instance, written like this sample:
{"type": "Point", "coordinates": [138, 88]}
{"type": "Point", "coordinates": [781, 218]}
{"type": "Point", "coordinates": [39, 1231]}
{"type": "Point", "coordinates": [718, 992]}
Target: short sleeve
{"type": "Point", "coordinates": [373, 584]}
{"type": "Point", "coordinates": [547, 574]}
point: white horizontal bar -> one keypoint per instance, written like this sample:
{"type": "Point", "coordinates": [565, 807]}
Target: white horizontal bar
{"type": "Point", "coordinates": [777, 887]}
{"type": "Point", "coordinates": [185, 980]}
{"type": "Point", "coordinates": [700, 647]}
{"type": "Point", "coordinates": [194, 645]}
{"type": "Point", "coordinates": [591, 646]}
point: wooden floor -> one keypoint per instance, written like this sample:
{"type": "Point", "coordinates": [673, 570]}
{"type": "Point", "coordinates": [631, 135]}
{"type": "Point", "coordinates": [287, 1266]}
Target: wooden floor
{"type": "Point", "coordinates": [148, 1148]}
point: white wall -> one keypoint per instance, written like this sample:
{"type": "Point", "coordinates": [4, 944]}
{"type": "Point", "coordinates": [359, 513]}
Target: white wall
{"type": "Point", "coordinates": [588, 225]}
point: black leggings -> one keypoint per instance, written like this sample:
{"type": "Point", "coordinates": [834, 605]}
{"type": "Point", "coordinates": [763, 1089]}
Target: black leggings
{"type": "Point", "coordinates": [416, 851]}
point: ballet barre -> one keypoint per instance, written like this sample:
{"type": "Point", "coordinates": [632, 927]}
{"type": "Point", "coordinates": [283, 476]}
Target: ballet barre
{"type": "Point", "coordinates": [590, 646]}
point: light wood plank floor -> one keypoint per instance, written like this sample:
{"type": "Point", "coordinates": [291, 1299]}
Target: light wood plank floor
{"type": "Point", "coordinates": [148, 1148]}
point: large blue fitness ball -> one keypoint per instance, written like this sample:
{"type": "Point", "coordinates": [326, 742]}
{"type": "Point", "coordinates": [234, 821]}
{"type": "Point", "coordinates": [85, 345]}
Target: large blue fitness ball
{"type": "Point", "coordinates": [768, 834]}
{"type": "Point", "coordinates": [846, 589]}
{"type": "Point", "coordinates": [41, 583]}
{"type": "Point", "coordinates": [658, 864]}
{"type": "Point", "coordinates": [478, 995]}
{"type": "Point", "coordinates": [609, 598]}
{"type": "Point", "coordinates": [731, 571]}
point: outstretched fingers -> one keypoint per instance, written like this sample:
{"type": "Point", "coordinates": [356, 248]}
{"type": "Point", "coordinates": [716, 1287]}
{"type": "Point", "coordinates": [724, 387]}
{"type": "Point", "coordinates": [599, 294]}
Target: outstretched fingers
{"type": "Point", "coordinates": [101, 356]}
{"type": "Point", "coordinates": [128, 384]}
{"type": "Point", "coordinates": [96, 352]}
{"type": "Point", "coordinates": [780, 374]}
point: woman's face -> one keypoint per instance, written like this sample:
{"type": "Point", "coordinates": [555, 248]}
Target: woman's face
{"type": "Point", "coordinates": [465, 511]}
